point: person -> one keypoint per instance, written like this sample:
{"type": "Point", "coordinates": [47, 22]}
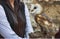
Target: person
{"type": "Point", "coordinates": [14, 20]}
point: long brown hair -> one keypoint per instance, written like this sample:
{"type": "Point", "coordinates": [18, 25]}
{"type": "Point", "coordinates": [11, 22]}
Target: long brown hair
{"type": "Point", "coordinates": [20, 16]}
{"type": "Point", "coordinates": [17, 2]}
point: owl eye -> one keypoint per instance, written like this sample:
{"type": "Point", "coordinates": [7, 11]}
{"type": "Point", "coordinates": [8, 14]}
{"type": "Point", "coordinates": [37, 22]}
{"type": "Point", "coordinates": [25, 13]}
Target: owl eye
{"type": "Point", "coordinates": [35, 7]}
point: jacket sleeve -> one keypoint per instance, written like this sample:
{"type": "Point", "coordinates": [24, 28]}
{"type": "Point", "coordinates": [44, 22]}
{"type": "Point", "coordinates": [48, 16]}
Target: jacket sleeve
{"type": "Point", "coordinates": [5, 29]}
{"type": "Point", "coordinates": [29, 27]}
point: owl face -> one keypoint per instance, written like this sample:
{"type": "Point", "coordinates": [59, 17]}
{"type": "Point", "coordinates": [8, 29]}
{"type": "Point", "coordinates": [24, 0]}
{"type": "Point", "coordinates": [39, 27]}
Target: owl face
{"type": "Point", "coordinates": [36, 8]}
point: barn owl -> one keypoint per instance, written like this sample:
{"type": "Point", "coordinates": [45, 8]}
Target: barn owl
{"type": "Point", "coordinates": [34, 9]}
{"type": "Point", "coordinates": [47, 27]}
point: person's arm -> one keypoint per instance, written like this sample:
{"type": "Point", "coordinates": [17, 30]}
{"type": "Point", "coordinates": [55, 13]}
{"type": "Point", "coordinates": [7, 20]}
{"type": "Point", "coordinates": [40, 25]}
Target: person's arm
{"type": "Point", "coordinates": [5, 29]}
{"type": "Point", "coordinates": [29, 27]}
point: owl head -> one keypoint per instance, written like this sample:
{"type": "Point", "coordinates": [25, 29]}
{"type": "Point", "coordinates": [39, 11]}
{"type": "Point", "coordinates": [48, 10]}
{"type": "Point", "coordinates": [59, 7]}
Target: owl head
{"type": "Point", "coordinates": [35, 8]}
